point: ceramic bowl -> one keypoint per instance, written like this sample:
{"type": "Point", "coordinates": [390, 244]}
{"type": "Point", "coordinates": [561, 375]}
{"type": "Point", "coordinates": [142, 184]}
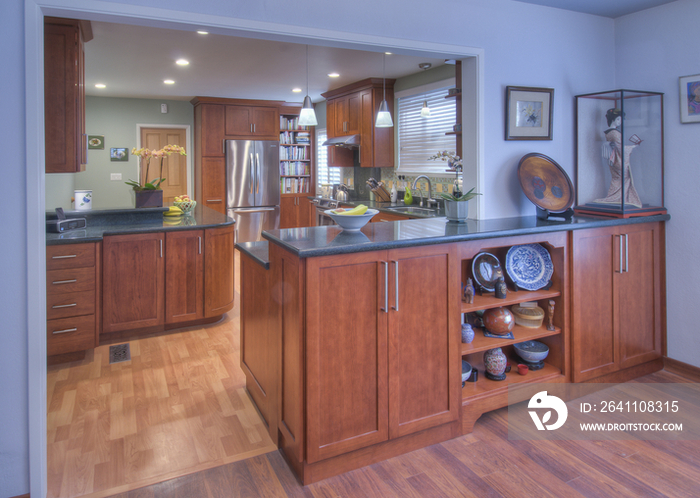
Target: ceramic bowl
{"type": "Point", "coordinates": [186, 206]}
{"type": "Point", "coordinates": [350, 222]}
{"type": "Point", "coordinates": [532, 351]}
{"type": "Point", "coordinates": [466, 370]}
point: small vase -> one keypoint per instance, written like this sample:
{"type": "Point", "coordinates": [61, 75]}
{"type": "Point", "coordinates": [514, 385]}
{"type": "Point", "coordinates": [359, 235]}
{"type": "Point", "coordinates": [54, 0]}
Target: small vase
{"type": "Point", "coordinates": [149, 198]}
{"type": "Point", "coordinates": [467, 333]}
{"type": "Point", "coordinates": [456, 210]}
{"type": "Point", "coordinates": [495, 363]}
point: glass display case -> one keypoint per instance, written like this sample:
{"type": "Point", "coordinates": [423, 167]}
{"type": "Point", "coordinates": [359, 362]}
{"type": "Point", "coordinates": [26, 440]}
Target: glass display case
{"type": "Point", "coordinates": [620, 154]}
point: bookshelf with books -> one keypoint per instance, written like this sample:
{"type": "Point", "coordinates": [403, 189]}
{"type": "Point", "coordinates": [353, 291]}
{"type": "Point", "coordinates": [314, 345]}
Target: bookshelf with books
{"type": "Point", "coordinates": [296, 169]}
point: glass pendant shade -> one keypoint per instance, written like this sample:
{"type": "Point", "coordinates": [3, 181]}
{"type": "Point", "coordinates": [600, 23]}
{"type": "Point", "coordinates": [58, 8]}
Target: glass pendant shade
{"type": "Point", "coordinates": [384, 116]}
{"type": "Point", "coordinates": [307, 117]}
{"type": "Point", "coordinates": [425, 111]}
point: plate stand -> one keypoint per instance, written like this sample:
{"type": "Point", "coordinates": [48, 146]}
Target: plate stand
{"type": "Point", "coordinates": [545, 214]}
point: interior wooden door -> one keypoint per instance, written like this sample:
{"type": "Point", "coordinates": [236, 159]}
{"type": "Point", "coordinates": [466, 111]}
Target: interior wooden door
{"type": "Point", "coordinates": [424, 388]}
{"type": "Point", "coordinates": [639, 292]}
{"type": "Point", "coordinates": [346, 354]}
{"type": "Point", "coordinates": [174, 165]}
{"type": "Point", "coordinates": [594, 309]}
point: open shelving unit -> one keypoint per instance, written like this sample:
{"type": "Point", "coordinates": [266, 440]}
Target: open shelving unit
{"type": "Point", "coordinates": [296, 164]}
{"type": "Point", "coordinates": [485, 394]}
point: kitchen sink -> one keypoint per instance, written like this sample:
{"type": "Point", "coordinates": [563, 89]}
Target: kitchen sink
{"type": "Point", "coordinates": [420, 211]}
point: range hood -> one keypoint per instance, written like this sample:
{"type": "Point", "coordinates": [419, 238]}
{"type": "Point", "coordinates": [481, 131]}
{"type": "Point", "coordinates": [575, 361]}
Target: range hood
{"type": "Point", "coordinates": [349, 141]}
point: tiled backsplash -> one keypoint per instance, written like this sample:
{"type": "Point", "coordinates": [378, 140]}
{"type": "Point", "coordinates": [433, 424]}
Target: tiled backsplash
{"type": "Point", "coordinates": [389, 177]}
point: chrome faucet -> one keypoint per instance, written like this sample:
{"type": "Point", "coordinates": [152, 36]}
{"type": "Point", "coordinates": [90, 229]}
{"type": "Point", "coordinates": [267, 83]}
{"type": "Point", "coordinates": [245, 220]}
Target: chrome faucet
{"type": "Point", "coordinates": [429, 201]}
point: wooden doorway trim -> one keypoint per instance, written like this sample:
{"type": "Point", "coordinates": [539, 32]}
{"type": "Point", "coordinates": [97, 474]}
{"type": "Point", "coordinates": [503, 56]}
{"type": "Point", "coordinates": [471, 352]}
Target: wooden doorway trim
{"type": "Point", "coordinates": [188, 147]}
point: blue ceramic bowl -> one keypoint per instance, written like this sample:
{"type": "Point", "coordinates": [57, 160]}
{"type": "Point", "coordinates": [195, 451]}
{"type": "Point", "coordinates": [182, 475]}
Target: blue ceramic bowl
{"type": "Point", "coordinates": [532, 351]}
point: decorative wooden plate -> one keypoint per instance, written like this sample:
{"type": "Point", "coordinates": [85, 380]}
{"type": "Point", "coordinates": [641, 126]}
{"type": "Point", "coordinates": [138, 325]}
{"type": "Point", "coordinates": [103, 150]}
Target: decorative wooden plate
{"type": "Point", "coordinates": [545, 183]}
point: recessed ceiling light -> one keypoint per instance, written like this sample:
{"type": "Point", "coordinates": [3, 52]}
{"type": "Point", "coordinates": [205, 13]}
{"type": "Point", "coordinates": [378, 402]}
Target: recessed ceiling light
{"type": "Point", "coordinates": [296, 90]}
{"type": "Point", "coordinates": [203, 32]}
{"type": "Point", "coordinates": [169, 82]}
{"type": "Point", "coordinates": [100, 85]}
{"type": "Point", "coordinates": [333, 75]}
{"type": "Point", "coordinates": [387, 53]}
{"type": "Point", "coordinates": [182, 62]}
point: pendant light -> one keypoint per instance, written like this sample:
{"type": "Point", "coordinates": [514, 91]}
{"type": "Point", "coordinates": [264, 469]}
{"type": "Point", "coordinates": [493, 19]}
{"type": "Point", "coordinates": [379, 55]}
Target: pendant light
{"type": "Point", "coordinates": [425, 111]}
{"type": "Point", "coordinates": [384, 116]}
{"type": "Point", "coordinates": [307, 117]}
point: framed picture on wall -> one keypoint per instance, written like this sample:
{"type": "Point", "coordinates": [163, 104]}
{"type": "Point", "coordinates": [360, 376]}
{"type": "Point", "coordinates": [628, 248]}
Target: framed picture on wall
{"type": "Point", "coordinates": [690, 98]}
{"type": "Point", "coordinates": [96, 142]}
{"type": "Point", "coordinates": [118, 154]}
{"type": "Point", "coordinates": [529, 113]}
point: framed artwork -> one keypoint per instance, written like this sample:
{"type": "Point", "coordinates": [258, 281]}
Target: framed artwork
{"type": "Point", "coordinates": [690, 98]}
{"type": "Point", "coordinates": [96, 142]}
{"type": "Point", "coordinates": [529, 113]}
{"type": "Point", "coordinates": [118, 154]}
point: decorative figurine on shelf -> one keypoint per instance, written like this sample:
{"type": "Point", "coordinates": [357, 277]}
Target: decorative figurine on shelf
{"type": "Point", "coordinates": [617, 158]}
{"type": "Point", "coordinates": [501, 288]}
{"type": "Point", "coordinates": [495, 364]}
{"type": "Point", "coordinates": [467, 333]}
{"type": "Point", "coordinates": [469, 291]}
{"type": "Point", "coordinates": [550, 317]}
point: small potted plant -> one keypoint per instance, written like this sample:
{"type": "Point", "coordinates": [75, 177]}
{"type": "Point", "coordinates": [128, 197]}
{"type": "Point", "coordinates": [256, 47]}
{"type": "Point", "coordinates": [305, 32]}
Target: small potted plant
{"type": "Point", "coordinates": [150, 194]}
{"type": "Point", "coordinates": [456, 207]}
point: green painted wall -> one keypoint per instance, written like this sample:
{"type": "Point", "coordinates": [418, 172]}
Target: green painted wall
{"type": "Point", "coordinates": [117, 119]}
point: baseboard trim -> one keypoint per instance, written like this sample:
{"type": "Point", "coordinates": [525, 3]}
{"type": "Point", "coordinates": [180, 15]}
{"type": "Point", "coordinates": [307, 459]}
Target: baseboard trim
{"type": "Point", "coordinates": [690, 372]}
{"type": "Point", "coordinates": [21, 496]}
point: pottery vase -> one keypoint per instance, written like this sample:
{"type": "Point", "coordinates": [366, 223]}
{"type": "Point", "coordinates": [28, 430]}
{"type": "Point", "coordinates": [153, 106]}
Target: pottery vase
{"type": "Point", "coordinates": [499, 321]}
{"type": "Point", "coordinates": [495, 364]}
{"type": "Point", "coordinates": [467, 333]}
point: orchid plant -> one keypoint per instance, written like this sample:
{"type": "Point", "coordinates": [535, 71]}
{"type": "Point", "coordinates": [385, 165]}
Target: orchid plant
{"type": "Point", "coordinates": [146, 155]}
{"type": "Point", "coordinates": [455, 164]}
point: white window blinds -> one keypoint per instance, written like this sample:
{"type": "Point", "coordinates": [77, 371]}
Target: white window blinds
{"type": "Point", "coordinates": [324, 174]}
{"type": "Point", "coordinates": [419, 137]}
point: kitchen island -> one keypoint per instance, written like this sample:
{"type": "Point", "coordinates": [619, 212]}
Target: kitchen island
{"type": "Point", "coordinates": [131, 272]}
{"type": "Point", "coordinates": [363, 329]}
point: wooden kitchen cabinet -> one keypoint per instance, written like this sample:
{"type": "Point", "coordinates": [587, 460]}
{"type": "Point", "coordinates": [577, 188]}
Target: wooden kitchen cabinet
{"type": "Point", "coordinates": [210, 119]}
{"type": "Point", "coordinates": [134, 282]}
{"type": "Point", "coordinates": [212, 174]}
{"type": "Point", "coordinates": [73, 293]}
{"type": "Point", "coordinates": [347, 113]}
{"type": "Point", "coordinates": [617, 298]}
{"type": "Point", "coordinates": [379, 360]}
{"type": "Point", "coordinates": [295, 211]}
{"type": "Point", "coordinates": [184, 276]}
{"type": "Point", "coordinates": [258, 122]}
{"type": "Point", "coordinates": [218, 271]}
{"type": "Point", "coordinates": [64, 94]}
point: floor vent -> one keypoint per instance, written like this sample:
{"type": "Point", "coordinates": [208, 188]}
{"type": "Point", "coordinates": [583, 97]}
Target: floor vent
{"type": "Point", "coordinates": [119, 353]}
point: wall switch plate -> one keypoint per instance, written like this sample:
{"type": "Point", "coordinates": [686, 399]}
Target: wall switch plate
{"type": "Point", "coordinates": [115, 176]}
{"type": "Point", "coordinates": [164, 108]}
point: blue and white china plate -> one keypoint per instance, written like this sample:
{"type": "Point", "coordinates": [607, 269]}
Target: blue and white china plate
{"type": "Point", "coordinates": [529, 266]}
{"type": "Point", "coordinates": [486, 269]}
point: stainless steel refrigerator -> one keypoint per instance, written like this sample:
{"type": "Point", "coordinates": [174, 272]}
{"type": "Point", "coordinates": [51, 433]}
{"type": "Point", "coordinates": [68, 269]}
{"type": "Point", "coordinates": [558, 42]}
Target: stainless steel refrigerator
{"type": "Point", "coordinates": [253, 187]}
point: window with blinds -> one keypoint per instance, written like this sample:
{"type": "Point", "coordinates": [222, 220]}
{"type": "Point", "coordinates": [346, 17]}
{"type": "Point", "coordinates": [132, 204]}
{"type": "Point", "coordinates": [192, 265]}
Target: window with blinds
{"type": "Point", "coordinates": [419, 137]}
{"type": "Point", "coordinates": [324, 174]}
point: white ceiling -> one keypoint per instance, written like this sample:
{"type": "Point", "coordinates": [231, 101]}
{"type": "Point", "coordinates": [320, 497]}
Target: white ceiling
{"type": "Point", "coordinates": [134, 60]}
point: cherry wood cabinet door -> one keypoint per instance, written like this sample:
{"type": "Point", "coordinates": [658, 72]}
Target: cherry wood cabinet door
{"type": "Point", "coordinates": [266, 122]}
{"type": "Point", "coordinates": [595, 255]}
{"type": "Point", "coordinates": [424, 347]}
{"type": "Point", "coordinates": [346, 353]}
{"type": "Point", "coordinates": [184, 276]}
{"type": "Point", "coordinates": [639, 289]}
{"type": "Point", "coordinates": [213, 176]}
{"type": "Point", "coordinates": [212, 130]}
{"type": "Point", "coordinates": [133, 281]}
{"type": "Point", "coordinates": [288, 212]}
{"type": "Point", "coordinates": [218, 271]}
{"type": "Point", "coordinates": [238, 121]}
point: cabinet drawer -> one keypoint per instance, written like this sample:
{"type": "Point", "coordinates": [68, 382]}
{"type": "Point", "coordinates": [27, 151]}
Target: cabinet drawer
{"type": "Point", "coordinates": [70, 280]}
{"type": "Point", "coordinates": [70, 256]}
{"type": "Point", "coordinates": [68, 304]}
{"type": "Point", "coordinates": [68, 335]}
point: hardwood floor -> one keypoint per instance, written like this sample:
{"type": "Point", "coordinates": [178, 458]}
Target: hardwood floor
{"type": "Point", "coordinates": [178, 406]}
{"type": "Point", "coordinates": [481, 464]}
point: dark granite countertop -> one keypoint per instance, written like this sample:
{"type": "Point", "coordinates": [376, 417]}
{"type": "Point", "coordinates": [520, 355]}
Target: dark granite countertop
{"type": "Point", "coordinates": [130, 220]}
{"type": "Point", "coordinates": [329, 240]}
{"type": "Point", "coordinates": [257, 251]}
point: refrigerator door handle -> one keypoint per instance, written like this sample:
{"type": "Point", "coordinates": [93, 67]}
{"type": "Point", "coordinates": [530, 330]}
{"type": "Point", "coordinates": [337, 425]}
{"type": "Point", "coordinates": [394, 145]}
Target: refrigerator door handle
{"type": "Point", "coordinates": [260, 210]}
{"type": "Point", "coordinates": [257, 173]}
{"type": "Point", "coordinates": [252, 173]}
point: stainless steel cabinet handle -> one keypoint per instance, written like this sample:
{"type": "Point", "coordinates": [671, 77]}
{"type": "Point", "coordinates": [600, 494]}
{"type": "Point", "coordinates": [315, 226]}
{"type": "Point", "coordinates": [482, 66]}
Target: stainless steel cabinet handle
{"type": "Point", "coordinates": [161, 248]}
{"type": "Point", "coordinates": [396, 280]}
{"type": "Point", "coordinates": [64, 257]}
{"type": "Point", "coordinates": [253, 127]}
{"type": "Point", "coordinates": [627, 255]}
{"type": "Point", "coordinates": [213, 200]}
{"type": "Point", "coordinates": [200, 245]}
{"type": "Point", "coordinates": [619, 268]}
{"type": "Point", "coordinates": [64, 331]}
{"type": "Point", "coordinates": [57, 306]}
{"type": "Point", "coordinates": [385, 309]}
{"type": "Point", "coordinates": [58, 282]}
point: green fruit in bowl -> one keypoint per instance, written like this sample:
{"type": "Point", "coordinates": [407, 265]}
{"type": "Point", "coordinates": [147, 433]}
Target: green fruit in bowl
{"type": "Point", "coordinates": [408, 197]}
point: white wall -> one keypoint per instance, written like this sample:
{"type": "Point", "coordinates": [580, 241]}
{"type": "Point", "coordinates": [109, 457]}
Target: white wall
{"type": "Point", "coordinates": [654, 48]}
{"type": "Point", "coordinates": [524, 45]}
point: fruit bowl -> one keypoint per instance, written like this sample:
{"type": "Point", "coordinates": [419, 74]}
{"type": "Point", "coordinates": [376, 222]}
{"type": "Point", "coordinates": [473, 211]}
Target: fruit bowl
{"type": "Point", "coordinates": [186, 206]}
{"type": "Point", "coordinates": [352, 222]}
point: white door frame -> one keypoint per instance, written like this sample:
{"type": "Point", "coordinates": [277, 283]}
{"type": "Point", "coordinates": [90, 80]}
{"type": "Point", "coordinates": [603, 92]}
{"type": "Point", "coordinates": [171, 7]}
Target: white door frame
{"type": "Point", "coordinates": [188, 148]}
{"type": "Point", "coordinates": [35, 10]}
